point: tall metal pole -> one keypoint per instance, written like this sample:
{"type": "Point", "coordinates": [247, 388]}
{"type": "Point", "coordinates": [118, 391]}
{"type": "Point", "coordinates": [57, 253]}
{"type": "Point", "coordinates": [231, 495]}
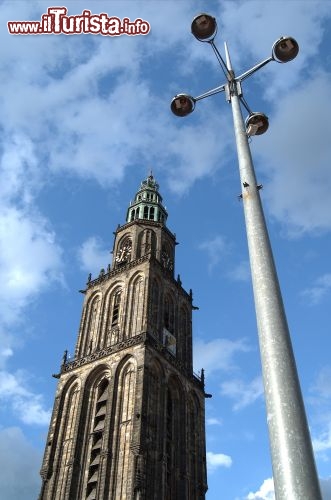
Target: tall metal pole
{"type": "Point", "coordinates": [293, 464]}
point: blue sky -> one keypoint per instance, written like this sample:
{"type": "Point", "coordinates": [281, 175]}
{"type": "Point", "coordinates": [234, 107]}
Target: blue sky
{"type": "Point", "coordinates": [83, 119]}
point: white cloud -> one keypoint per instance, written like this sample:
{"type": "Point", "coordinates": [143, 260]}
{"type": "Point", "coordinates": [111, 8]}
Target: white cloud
{"type": "Point", "coordinates": [215, 460]}
{"type": "Point", "coordinates": [7, 341]}
{"type": "Point", "coordinates": [295, 157]}
{"type": "Point", "coordinates": [26, 405]}
{"type": "Point", "coordinates": [30, 259]}
{"type": "Point", "coordinates": [241, 272]}
{"type": "Point", "coordinates": [265, 492]}
{"type": "Point", "coordinates": [320, 288]}
{"type": "Point", "coordinates": [18, 169]}
{"type": "Point", "coordinates": [30, 256]}
{"type": "Point", "coordinates": [321, 414]}
{"type": "Point", "coordinates": [244, 393]}
{"type": "Point", "coordinates": [17, 455]}
{"type": "Point", "coordinates": [323, 442]}
{"type": "Point", "coordinates": [93, 256]}
{"type": "Point", "coordinates": [93, 108]}
{"type": "Point", "coordinates": [322, 387]}
{"type": "Point", "coordinates": [215, 248]}
{"type": "Point", "coordinates": [194, 149]}
{"type": "Point", "coordinates": [6, 352]}
{"type": "Point", "coordinates": [217, 354]}
{"type": "Point", "coordinates": [214, 421]}
{"type": "Point", "coordinates": [30, 262]}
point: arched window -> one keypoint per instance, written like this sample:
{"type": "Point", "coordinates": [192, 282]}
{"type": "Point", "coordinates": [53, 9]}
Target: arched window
{"type": "Point", "coordinates": [195, 449]}
{"type": "Point", "coordinates": [184, 332]}
{"type": "Point", "coordinates": [136, 306]}
{"type": "Point", "coordinates": [125, 411]}
{"type": "Point", "coordinates": [168, 314]}
{"type": "Point", "coordinates": [184, 321]}
{"type": "Point", "coordinates": [146, 242]}
{"type": "Point", "coordinates": [115, 314]}
{"type": "Point", "coordinates": [154, 307]}
{"type": "Point", "coordinates": [88, 339]}
{"type": "Point", "coordinates": [151, 213]}
{"type": "Point", "coordinates": [170, 431]}
{"type": "Point", "coordinates": [65, 445]}
{"type": "Point", "coordinates": [94, 317]}
{"type": "Point", "coordinates": [96, 436]}
{"type": "Point", "coordinates": [154, 430]}
{"type": "Point", "coordinates": [113, 327]}
{"type": "Point", "coordinates": [175, 436]}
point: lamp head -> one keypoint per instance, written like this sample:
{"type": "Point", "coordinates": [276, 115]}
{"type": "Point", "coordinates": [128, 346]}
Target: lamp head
{"type": "Point", "coordinates": [182, 105]}
{"type": "Point", "coordinates": [285, 49]}
{"type": "Point", "coordinates": [256, 124]}
{"type": "Point", "coordinates": [204, 27]}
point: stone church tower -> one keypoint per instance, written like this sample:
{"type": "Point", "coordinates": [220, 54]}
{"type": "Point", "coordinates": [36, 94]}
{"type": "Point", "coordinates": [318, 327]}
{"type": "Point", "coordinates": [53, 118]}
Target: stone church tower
{"type": "Point", "coordinates": [128, 418]}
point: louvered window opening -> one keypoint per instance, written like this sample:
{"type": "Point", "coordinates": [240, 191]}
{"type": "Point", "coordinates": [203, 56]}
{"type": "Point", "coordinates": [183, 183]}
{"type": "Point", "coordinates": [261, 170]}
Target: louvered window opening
{"type": "Point", "coordinates": [97, 438]}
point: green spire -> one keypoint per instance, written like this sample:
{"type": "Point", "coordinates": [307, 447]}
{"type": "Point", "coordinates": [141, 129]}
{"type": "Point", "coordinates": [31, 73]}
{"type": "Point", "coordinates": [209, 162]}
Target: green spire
{"type": "Point", "coordinates": [147, 203]}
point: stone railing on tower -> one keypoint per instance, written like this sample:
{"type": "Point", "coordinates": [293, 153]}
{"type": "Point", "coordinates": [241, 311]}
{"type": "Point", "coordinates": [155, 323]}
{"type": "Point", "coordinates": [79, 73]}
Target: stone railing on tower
{"type": "Point", "coordinates": [72, 364]}
{"type": "Point", "coordinates": [143, 337]}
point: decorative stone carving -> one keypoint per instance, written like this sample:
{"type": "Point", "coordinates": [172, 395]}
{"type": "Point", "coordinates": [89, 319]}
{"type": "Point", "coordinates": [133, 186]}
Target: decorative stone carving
{"type": "Point", "coordinates": [103, 352]}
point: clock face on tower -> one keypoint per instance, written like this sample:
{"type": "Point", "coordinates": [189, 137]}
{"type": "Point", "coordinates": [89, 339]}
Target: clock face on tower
{"type": "Point", "coordinates": [124, 252]}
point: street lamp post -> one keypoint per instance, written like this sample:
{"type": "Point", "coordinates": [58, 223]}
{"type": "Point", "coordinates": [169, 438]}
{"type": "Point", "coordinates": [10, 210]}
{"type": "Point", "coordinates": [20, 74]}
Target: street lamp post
{"type": "Point", "coordinates": [293, 464]}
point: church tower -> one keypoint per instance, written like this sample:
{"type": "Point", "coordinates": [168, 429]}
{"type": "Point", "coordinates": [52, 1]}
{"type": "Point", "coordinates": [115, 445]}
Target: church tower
{"type": "Point", "coordinates": [128, 418]}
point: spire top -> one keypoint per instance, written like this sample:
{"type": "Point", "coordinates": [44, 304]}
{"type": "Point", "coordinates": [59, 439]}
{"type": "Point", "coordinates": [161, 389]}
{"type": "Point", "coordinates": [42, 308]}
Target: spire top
{"type": "Point", "coordinates": [150, 182]}
{"type": "Point", "coordinates": [147, 203]}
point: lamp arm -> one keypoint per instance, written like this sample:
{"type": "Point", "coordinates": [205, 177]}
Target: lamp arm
{"type": "Point", "coordinates": [214, 91]}
{"type": "Point", "coordinates": [254, 69]}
